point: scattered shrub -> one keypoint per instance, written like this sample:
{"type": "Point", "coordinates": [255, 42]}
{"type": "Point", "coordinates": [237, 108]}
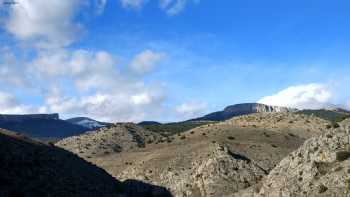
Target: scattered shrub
{"type": "Point", "coordinates": [231, 138]}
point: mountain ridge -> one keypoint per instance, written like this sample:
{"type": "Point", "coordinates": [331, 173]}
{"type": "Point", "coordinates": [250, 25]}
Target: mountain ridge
{"type": "Point", "coordinates": [241, 109]}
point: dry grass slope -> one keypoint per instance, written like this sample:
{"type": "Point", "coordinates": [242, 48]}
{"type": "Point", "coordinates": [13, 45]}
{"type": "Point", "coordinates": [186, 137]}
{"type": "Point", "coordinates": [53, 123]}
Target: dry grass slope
{"type": "Point", "coordinates": [216, 159]}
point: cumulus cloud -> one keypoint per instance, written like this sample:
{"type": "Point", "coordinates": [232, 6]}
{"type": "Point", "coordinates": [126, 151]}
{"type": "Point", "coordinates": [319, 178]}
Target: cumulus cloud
{"type": "Point", "coordinates": [191, 109]}
{"type": "Point", "coordinates": [10, 105]}
{"type": "Point", "coordinates": [108, 106]}
{"type": "Point", "coordinates": [89, 83]}
{"type": "Point", "coordinates": [87, 69]}
{"type": "Point", "coordinates": [45, 23]}
{"type": "Point", "coordinates": [146, 61]}
{"type": "Point", "coordinates": [309, 96]}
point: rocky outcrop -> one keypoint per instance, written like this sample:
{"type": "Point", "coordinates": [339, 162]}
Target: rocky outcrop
{"type": "Point", "coordinates": [321, 167]}
{"type": "Point", "coordinates": [218, 172]}
{"type": "Point", "coordinates": [224, 172]}
{"type": "Point", "coordinates": [242, 109]}
{"type": "Point", "coordinates": [113, 139]}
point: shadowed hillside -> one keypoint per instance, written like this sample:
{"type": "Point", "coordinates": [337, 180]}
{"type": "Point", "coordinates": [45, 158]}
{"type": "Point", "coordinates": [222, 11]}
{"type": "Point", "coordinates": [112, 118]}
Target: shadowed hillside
{"type": "Point", "coordinates": [32, 169]}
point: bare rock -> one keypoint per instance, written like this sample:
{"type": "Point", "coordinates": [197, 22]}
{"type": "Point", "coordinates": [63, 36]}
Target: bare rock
{"type": "Point", "coordinates": [321, 167]}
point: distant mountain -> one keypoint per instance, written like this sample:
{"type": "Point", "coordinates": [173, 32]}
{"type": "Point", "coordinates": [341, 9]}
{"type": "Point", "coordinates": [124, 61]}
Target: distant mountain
{"type": "Point", "coordinates": [42, 126]}
{"type": "Point", "coordinates": [241, 109]}
{"type": "Point", "coordinates": [88, 123]}
{"type": "Point", "coordinates": [146, 123]}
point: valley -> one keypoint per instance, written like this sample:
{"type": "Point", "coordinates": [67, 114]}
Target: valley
{"type": "Point", "coordinates": [245, 155]}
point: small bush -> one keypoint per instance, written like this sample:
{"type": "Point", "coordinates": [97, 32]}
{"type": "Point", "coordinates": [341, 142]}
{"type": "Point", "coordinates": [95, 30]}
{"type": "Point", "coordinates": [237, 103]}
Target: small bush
{"type": "Point", "coordinates": [231, 138]}
{"type": "Point", "coordinates": [322, 189]}
{"type": "Point", "coordinates": [335, 125]}
{"type": "Point", "coordinates": [183, 137]}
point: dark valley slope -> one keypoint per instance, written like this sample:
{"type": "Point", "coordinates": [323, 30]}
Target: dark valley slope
{"type": "Point", "coordinates": [32, 169]}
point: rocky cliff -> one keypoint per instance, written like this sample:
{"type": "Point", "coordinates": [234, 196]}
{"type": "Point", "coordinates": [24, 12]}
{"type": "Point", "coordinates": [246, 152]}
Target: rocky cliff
{"type": "Point", "coordinates": [321, 167]}
{"type": "Point", "coordinates": [243, 109]}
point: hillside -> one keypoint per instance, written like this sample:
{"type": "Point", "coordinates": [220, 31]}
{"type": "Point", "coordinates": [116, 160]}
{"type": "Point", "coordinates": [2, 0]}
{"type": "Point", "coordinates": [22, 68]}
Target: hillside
{"type": "Point", "coordinates": [330, 115]}
{"type": "Point", "coordinates": [318, 168]}
{"type": "Point", "coordinates": [216, 159]}
{"type": "Point", "coordinates": [301, 125]}
{"type": "Point", "coordinates": [241, 109]}
{"type": "Point", "coordinates": [113, 139]}
{"type": "Point", "coordinates": [30, 168]}
{"type": "Point", "coordinates": [168, 129]}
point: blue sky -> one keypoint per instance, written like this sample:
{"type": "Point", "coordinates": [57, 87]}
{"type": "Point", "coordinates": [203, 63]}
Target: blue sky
{"type": "Point", "coordinates": [132, 60]}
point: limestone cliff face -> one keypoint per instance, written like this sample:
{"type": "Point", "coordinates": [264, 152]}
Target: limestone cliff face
{"type": "Point", "coordinates": [255, 108]}
{"type": "Point", "coordinates": [243, 109]}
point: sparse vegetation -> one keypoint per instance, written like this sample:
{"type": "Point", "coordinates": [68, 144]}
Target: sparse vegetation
{"type": "Point", "coordinates": [174, 128]}
{"type": "Point", "coordinates": [333, 116]}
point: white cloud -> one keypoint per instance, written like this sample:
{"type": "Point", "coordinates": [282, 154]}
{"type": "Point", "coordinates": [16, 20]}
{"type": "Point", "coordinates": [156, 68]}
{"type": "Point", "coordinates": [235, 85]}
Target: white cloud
{"type": "Point", "coordinates": [108, 106]}
{"type": "Point", "coordinates": [309, 96]}
{"type": "Point", "coordinates": [10, 105]}
{"type": "Point", "coordinates": [191, 109]}
{"type": "Point", "coordinates": [136, 4]}
{"type": "Point", "coordinates": [146, 61]}
{"type": "Point", "coordinates": [45, 23]}
{"type": "Point", "coordinates": [100, 90]}
{"type": "Point", "coordinates": [87, 69]}
{"type": "Point", "coordinates": [173, 7]}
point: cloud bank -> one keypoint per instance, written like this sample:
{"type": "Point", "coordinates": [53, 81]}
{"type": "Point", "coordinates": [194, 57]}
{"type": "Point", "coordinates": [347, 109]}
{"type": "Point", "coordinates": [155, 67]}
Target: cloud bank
{"type": "Point", "coordinates": [309, 96]}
